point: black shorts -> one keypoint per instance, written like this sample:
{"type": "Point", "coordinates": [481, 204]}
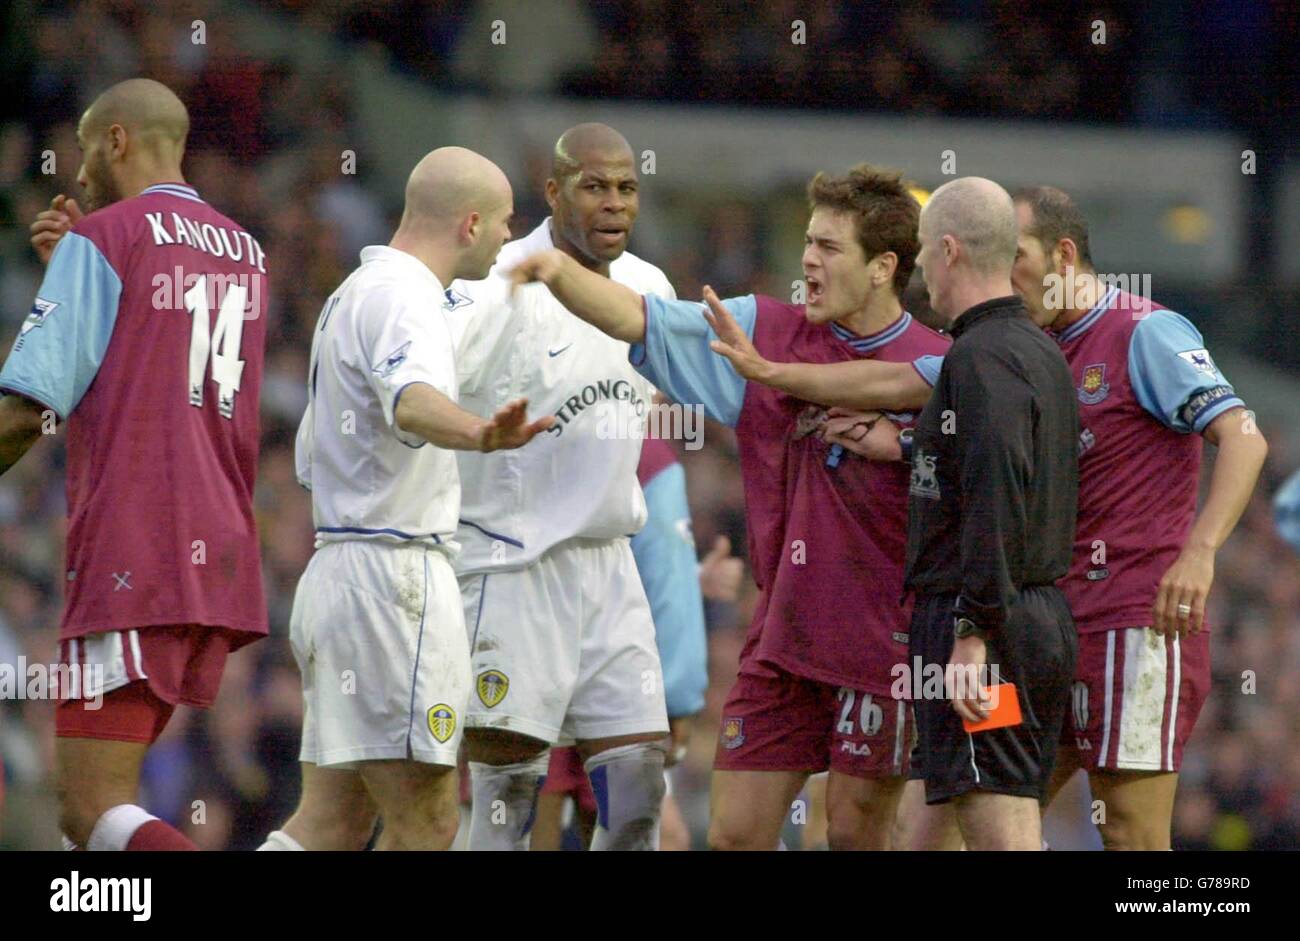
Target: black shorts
{"type": "Point", "coordinates": [1035, 649]}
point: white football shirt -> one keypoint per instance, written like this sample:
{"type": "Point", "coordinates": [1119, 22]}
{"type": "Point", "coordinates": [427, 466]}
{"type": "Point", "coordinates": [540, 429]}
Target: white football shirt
{"type": "Point", "coordinates": [382, 330]}
{"type": "Point", "coordinates": [578, 478]}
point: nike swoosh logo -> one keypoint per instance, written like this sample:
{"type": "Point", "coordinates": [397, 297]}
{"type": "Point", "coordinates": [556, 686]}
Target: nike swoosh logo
{"type": "Point", "coordinates": [559, 351]}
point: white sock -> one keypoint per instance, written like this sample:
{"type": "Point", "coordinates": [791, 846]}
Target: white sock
{"type": "Point", "coordinates": [115, 828]}
{"type": "Point", "coordinates": [628, 782]}
{"type": "Point", "coordinates": [279, 840]}
{"type": "Point", "coordinates": [68, 845]}
{"type": "Point", "coordinates": [504, 802]}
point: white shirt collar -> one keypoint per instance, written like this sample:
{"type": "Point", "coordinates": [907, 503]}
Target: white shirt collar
{"type": "Point", "coordinates": [409, 262]}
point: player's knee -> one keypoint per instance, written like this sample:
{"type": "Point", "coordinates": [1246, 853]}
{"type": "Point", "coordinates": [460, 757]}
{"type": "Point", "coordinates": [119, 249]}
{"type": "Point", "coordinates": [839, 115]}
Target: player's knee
{"type": "Point", "coordinates": [1122, 833]}
{"type": "Point", "coordinates": [733, 837]}
{"type": "Point", "coordinates": [79, 811]}
{"type": "Point", "coordinates": [495, 747]}
{"type": "Point", "coordinates": [855, 829]}
{"type": "Point", "coordinates": [424, 826]}
{"type": "Point", "coordinates": [344, 830]}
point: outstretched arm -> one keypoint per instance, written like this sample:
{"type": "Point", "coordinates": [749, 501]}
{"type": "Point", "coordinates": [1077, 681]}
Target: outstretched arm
{"type": "Point", "coordinates": [424, 411]}
{"type": "Point", "coordinates": [606, 305]}
{"type": "Point", "coordinates": [865, 384]}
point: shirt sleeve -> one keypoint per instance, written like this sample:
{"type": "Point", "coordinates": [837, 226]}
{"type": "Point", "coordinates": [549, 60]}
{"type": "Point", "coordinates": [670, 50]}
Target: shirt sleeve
{"type": "Point", "coordinates": [404, 340]}
{"type": "Point", "coordinates": [665, 557]}
{"type": "Point", "coordinates": [483, 325]}
{"type": "Point", "coordinates": [994, 412]}
{"type": "Point", "coordinates": [64, 339]}
{"type": "Point", "coordinates": [676, 358]}
{"type": "Point", "coordinates": [1173, 375]}
{"type": "Point", "coordinates": [928, 366]}
{"type": "Point", "coordinates": [1286, 511]}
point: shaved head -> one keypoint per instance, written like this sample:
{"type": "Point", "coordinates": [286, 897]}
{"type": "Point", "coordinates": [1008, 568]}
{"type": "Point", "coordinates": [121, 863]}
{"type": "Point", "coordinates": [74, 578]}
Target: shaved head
{"type": "Point", "coordinates": [451, 182]}
{"type": "Point", "coordinates": [593, 193]}
{"type": "Point", "coordinates": [148, 111]}
{"type": "Point", "coordinates": [979, 214]}
{"type": "Point", "coordinates": [131, 136]}
{"type": "Point", "coordinates": [585, 143]}
{"type": "Point", "coordinates": [457, 214]}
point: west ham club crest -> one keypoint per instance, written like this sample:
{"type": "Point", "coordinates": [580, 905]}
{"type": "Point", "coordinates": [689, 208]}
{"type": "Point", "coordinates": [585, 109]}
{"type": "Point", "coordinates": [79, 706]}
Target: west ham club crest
{"type": "Point", "coordinates": [1094, 387]}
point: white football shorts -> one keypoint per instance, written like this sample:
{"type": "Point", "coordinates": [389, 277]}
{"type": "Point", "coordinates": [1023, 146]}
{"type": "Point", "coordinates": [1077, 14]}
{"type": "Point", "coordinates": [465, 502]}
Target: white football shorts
{"type": "Point", "coordinates": [379, 635]}
{"type": "Point", "coordinates": [564, 649]}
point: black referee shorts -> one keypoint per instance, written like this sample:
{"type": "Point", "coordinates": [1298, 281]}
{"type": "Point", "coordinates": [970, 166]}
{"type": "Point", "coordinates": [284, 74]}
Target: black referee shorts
{"type": "Point", "coordinates": [1035, 649]}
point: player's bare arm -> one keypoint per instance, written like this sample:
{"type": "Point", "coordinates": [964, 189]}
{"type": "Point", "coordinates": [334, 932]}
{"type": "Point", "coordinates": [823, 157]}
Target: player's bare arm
{"type": "Point", "coordinates": [20, 426]}
{"type": "Point", "coordinates": [52, 224]}
{"type": "Point", "coordinates": [1242, 450]}
{"type": "Point", "coordinates": [608, 306]}
{"type": "Point", "coordinates": [859, 385]}
{"type": "Point", "coordinates": [869, 434]}
{"type": "Point", "coordinates": [423, 410]}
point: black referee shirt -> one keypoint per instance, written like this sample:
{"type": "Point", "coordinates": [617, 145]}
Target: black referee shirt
{"type": "Point", "coordinates": [995, 473]}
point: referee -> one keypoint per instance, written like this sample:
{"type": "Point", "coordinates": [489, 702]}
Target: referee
{"type": "Point", "coordinates": [991, 524]}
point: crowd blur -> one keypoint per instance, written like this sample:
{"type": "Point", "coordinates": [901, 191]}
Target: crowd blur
{"type": "Point", "coordinates": [262, 150]}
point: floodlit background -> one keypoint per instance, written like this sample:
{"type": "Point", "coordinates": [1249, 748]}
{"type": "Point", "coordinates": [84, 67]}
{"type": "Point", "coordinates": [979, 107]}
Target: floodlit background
{"type": "Point", "coordinates": [1173, 124]}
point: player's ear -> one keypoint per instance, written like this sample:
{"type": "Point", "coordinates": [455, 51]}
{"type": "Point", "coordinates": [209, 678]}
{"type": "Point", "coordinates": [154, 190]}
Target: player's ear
{"type": "Point", "coordinates": [552, 192]}
{"type": "Point", "coordinates": [887, 264]}
{"type": "Point", "coordinates": [1066, 254]}
{"type": "Point", "coordinates": [469, 228]}
{"type": "Point", "coordinates": [116, 141]}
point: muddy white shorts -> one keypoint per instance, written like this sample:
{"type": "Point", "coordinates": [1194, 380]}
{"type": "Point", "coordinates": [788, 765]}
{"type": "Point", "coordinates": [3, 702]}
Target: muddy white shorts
{"type": "Point", "coordinates": [379, 635]}
{"type": "Point", "coordinates": [564, 649]}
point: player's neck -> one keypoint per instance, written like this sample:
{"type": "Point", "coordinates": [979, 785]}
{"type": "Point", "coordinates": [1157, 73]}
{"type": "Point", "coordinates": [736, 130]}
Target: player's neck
{"type": "Point", "coordinates": [978, 290]}
{"type": "Point", "coordinates": [878, 313]}
{"type": "Point", "coordinates": [1086, 292]}
{"type": "Point", "coordinates": [432, 256]}
{"type": "Point", "coordinates": [564, 245]}
{"type": "Point", "coordinates": [134, 182]}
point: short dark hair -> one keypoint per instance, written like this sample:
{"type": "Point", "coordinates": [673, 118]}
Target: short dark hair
{"type": "Point", "coordinates": [883, 209]}
{"type": "Point", "coordinates": [1055, 217]}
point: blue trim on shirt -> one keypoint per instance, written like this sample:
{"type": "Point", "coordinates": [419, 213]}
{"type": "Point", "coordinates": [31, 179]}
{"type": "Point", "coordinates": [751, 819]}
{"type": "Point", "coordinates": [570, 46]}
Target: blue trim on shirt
{"type": "Point", "coordinates": [1091, 317]}
{"type": "Point", "coordinates": [397, 397]}
{"type": "Point", "coordinates": [875, 340]}
{"type": "Point", "coordinates": [928, 368]}
{"type": "Point", "coordinates": [1202, 421]}
{"type": "Point", "coordinates": [376, 532]}
{"type": "Point", "coordinates": [183, 190]}
{"type": "Point", "coordinates": [491, 535]}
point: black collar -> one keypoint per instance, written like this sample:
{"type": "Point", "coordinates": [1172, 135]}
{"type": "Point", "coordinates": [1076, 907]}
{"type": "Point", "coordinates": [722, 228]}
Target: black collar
{"type": "Point", "coordinates": [998, 307]}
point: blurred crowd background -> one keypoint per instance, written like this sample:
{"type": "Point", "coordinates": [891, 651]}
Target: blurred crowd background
{"type": "Point", "coordinates": [264, 150]}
